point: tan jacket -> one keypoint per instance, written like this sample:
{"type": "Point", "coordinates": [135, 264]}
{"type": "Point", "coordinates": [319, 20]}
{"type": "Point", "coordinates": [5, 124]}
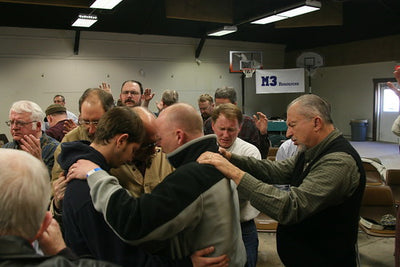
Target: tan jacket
{"type": "Point", "coordinates": [132, 179]}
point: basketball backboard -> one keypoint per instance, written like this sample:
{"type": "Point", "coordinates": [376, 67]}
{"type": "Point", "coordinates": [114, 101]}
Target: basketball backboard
{"type": "Point", "coordinates": [239, 60]}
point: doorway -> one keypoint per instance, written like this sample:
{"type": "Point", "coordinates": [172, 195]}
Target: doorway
{"type": "Point", "coordinates": [386, 110]}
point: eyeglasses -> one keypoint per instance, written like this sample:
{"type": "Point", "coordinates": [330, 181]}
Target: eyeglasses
{"type": "Point", "coordinates": [87, 123]}
{"type": "Point", "coordinates": [130, 92]}
{"type": "Point", "coordinates": [18, 123]}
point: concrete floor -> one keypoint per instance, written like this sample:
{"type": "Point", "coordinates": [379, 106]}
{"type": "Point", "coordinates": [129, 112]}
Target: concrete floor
{"type": "Point", "coordinates": [373, 251]}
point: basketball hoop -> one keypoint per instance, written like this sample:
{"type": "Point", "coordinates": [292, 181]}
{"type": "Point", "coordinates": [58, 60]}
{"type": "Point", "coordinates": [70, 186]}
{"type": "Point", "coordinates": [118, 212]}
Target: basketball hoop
{"type": "Point", "coordinates": [248, 72]}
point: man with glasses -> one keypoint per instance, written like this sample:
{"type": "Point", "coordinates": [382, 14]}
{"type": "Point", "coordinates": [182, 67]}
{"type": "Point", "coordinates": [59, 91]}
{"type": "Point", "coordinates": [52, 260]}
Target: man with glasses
{"type": "Point", "coordinates": [93, 103]}
{"type": "Point", "coordinates": [206, 106]}
{"type": "Point", "coordinates": [25, 122]}
{"type": "Point", "coordinates": [141, 176]}
{"type": "Point", "coordinates": [131, 93]}
{"type": "Point", "coordinates": [150, 164]}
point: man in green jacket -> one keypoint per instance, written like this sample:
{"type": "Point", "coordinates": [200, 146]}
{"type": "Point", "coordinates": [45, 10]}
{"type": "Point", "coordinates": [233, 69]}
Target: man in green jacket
{"type": "Point", "coordinates": [318, 217]}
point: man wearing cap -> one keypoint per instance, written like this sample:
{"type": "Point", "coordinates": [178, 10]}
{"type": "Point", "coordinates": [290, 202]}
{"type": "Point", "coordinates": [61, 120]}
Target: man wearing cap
{"type": "Point", "coordinates": [59, 99]}
{"type": "Point", "coordinates": [56, 115]}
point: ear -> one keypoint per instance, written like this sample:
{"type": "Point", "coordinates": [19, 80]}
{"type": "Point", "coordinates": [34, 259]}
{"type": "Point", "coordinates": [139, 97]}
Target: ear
{"type": "Point", "coordinates": [212, 125]}
{"type": "Point", "coordinates": [180, 136]}
{"type": "Point", "coordinates": [317, 123]}
{"type": "Point", "coordinates": [46, 222]}
{"type": "Point", "coordinates": [122, 139]}
{"type": "Point", "coordinates": [39, 125]}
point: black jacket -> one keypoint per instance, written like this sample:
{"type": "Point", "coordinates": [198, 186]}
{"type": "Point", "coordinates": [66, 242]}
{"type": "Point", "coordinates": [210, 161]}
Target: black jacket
{"type": "Point", "coordinates": [16, 251]}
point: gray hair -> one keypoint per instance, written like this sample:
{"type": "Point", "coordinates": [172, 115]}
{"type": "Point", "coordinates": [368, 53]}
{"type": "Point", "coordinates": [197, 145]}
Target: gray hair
{"type": "Point", "coordinates": [24, 193]}
{"type": "Point", "coordinates": [170, 97]}
{"type": "Point", "coordinates": [313, 105]}
{"type": "Point", "coordinates": [23, 106]}
{"type": "Point", "coordinates": [226, 92]}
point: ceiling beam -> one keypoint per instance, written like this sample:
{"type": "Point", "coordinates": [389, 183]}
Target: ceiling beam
{"type": "Point", "coordinates": [220, 11]}
{"type": "Point", "coordinates": [61, 3]}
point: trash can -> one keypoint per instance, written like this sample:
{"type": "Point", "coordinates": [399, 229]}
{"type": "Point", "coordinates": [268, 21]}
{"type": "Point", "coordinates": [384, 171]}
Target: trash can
{"type": "Point", "coordinates": [359, 130]}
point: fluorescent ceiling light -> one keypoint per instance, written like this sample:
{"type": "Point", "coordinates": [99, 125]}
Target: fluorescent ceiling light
{"type": "Point", "coordinates": [85, 20]}
{"type": "Point", "coordinates": [306, 7]}
{"type": "Point", "coordinates": [269, 19]}
{"type": "Point", "coordinates": [223, 31]}
{"type": "Point", "coordinates": [298, 11]}
{"type": "Point", "coordinates": [105, 4]}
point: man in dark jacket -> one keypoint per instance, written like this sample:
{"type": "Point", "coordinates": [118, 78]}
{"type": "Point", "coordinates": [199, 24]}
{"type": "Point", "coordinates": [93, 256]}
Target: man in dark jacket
{"type": "Point", "coordinates": [24, 197]}
{"type": "Point", "coordinates": [192, 208]}
{"type": "Point", "coordinates": [118, 136]}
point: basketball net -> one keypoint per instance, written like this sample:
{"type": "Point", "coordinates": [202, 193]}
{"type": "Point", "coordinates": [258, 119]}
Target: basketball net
{"type": "Point", "coordinates": [248, 72]}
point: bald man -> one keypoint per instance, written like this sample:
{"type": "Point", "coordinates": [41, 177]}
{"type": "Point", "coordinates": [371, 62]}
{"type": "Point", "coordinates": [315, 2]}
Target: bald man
{"type": "Point", "coordinates": [194, 207]}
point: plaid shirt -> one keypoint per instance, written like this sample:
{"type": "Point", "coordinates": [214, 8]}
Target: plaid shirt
{"type": "Point", "coordinates": [48, 145]}
{"type": "Point", "coordinates": [248, 133]}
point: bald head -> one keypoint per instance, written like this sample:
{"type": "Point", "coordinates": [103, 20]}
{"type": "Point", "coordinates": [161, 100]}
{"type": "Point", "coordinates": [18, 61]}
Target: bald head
{"type": "Point", "coordinates": [148, 119]}
{"type": "Point", "coordinates": [184, 116]}
{"type": "Point", "coordinates": [177, 125]}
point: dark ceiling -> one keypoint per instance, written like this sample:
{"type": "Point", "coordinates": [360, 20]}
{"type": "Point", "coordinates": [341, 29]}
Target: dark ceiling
{"type": "Point", "coordinates": [339, 21]}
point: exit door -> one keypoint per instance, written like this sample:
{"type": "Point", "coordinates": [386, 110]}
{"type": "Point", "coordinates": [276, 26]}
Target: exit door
{"type": "Point", "coordinates": [387, 110]}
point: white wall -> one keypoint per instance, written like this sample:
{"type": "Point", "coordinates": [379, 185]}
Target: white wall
{"type": "Point", "coordinates": [36, 64]}
{"type": "Point", "coordinates": [349, 90]}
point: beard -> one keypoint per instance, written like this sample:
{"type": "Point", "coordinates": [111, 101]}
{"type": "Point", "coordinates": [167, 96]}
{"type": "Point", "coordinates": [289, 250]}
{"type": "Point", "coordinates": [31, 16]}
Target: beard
{"type": "Point", "coordinates": [144, 157]}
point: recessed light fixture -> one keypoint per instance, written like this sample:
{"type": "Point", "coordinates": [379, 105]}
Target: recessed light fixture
{"type": "Point", "coordinates": [105, 4]}
{"type": "Point", "coordinates": [305, 7]}
{"type": "Point", "coordinates": [85, 20]}
{"type": "Point", "coordinates": [223, 31]}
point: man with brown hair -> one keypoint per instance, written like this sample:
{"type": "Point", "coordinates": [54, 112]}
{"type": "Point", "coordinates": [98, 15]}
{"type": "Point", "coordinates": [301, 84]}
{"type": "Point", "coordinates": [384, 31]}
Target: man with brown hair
{"type": "Point", "coordinates": [194, 207]}
{"type": "Point", "coordinates": [254, 130]}
{"type": "Point", "coordinates": [206, 106]}
{"type": "Point", "coordinates": [226, 123]}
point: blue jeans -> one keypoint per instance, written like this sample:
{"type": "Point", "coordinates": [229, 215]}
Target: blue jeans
{"type": "Point", "coordinates": [250, 240]}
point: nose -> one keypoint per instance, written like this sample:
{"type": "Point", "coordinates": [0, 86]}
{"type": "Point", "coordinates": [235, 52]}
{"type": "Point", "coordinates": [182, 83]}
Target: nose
{"type": "Point", "coordinates": [225, 134]}
{"type": "Point", "coordinates": [289, 133]}
{"type": "Point", "coordinates": [92, 129]}
{"type": "Point", "coordinates": [14, 126]}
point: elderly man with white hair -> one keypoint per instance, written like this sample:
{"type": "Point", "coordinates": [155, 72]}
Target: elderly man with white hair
{"type": "Point", "coordinates": [25, 122]}
{"type": "Point", "coordinates": [24, 197]}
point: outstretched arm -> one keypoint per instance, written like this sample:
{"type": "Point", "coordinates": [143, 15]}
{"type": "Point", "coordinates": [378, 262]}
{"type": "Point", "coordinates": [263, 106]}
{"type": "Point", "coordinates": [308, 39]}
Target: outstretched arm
{"type": "Point", "coordinates": [107, 194]}
{"type": "Point", "coordinates": [223, 165]}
